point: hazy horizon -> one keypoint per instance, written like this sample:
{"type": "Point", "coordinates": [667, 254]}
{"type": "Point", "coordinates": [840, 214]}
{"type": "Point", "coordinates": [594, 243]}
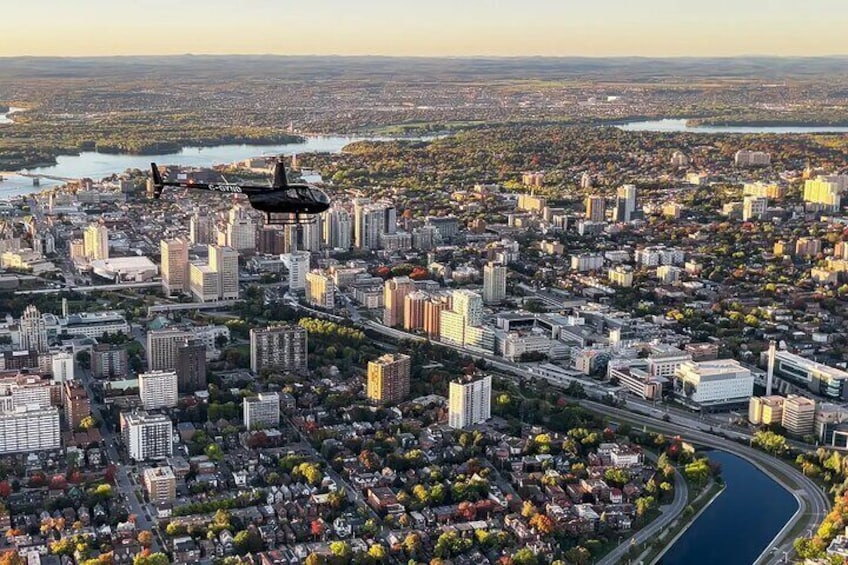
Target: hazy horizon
{"type": "Point", "coordinates": [439, 28]}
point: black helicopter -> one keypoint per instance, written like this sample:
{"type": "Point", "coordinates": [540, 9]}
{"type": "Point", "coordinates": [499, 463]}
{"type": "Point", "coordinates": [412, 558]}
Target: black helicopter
{"type": "Point", "coordinates": [291, 201]}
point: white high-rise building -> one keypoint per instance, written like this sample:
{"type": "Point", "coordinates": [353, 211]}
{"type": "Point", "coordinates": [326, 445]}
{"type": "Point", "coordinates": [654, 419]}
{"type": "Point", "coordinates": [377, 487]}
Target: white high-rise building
{"type": "Point", "coordinates": [470, 401]}
{"type": "Point", "coordinates": [494, 283]}
{"type": "Point", "coordinates": [147, 436]}
{"type": "Point", "coordinates": [372, 221]}
{"type": "Point", "coordinates": [262, 411]}
{"type": "Point", "coordinates": [33, 330]}
{"type": "Point", "coordinates": [96, 242]}
{"type": "Point", "coordinates": [311, 235]}
{"type": "Point", "coordinates": [826, 191]}
{"type": "Point", "coordinates": [281, 348]}
{"type": "Point", "coordinates": [162, 346]}
{"type": "Point", "coordinates": [224, 260]}
{"type": "Point", "coordinates": [714, 383]}
{"type": "Point", "coordinates": [29, 428]}
{"type": "Point", "coordinates": [62, 367]}
{"type": "Point", "coordinates": [469, 305]}
{"type": "Point", "coordinates": [338, 228]}
{"type": "Point", "coordinates": [158, 389]}
{"type": "Point", "coordinates": [754, 207]}
{"type": "Point", "coordinates": [298, 265]}
{"type": "Point", "coordinates": [241, 231]}
{"type": "Point", "coordinates": [175, 267]}
{"type": "Point", "coordinates": [625, 203]}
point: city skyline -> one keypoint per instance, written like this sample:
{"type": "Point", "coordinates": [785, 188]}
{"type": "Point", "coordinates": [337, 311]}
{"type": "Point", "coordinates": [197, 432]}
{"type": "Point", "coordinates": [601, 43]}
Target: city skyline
{"type": "Point", "coordinates": [663, 28]}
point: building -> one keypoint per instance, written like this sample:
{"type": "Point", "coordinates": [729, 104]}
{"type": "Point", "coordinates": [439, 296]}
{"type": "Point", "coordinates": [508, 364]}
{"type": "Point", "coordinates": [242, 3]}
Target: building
{"type": "Point", "coordinates": [818, 378]}
{"type": "Point", "coordinates": [175, 267]}
{"type": "Point", "coordinates": [109, 361]}
{"type": "Point", "coordinates": [746, 158]}
{"type": "Point", "coordinates": [129, 269]}
{"type": "Point", "coordinates": [799, 414]}
{"type": "Point", "coordinates": [338, 228]}
{"type": "Point", "coordinates": [394, 293]}
{"type": "Point", "coordinates": [371, 221]}
{"type": "Point", "coordinates": [766, 410]}
{"type": "Point", "coordinates": [625, 203]}
{"type": "Point", "coordinates": [664, 360]}
{"type": "Point", "coordinates": [162, 346]}
{"type": "Point", "coordinates": [191, 366]}
{"type": "Point", "coordinates": [807, 247]}
{"type": "Point", "coordinates": [388, 378]}
{"type": "Point", "coordinates": [637, 379]}
{"type": "Point", "coordinates": [433, 309]}
{"type": "Point", "coordinates": [709, 384]}
{"type": "Point", "coordinates": [76, 404]}
{"type": "Point", "coordinates": [414, 305]}
{"type": "Point", "coordinates": [262, 411]}
{"type": "Point", "coordinates": [297, 264]}
{"type": "Point", "coordinates": [494, 283]}
{"type": "Point", "coordinates": [224, 261]}
{"type": "Point", "coordinates": [462, 323]}
{"type": "Point", "coordinates": [533, 179]}
{"type": "Point", "coordinates": [826, 191]}
{"type": "Point", "coordinates": [668, 274]}
{"type": "Point", "coordinates": [241, 231]}
{"type": "Point", "coordinates": [96, 242]}
{"type": "Point", "coordinates": [679, 159]}
{"type": "Point", "coordinates": [595, 208]}
{"type": "Point", "coordinates": [62, 367]}
{"type": "Point", "coordinates": [33, 330]}
{"type": "Point", "coordinates": [621, 275]}
{"type": "Point", "coordinates": [754, 207]}
{"type": "Point", "coordinates": [160, 484]}
{"type": "Point", "coordinates": [320, 290]}
{"type": "Point", "coordinates": [278, 348]}
{"type": "Point", "coordinates": [702, 351]}
{"type": "Point", "coordinates": [158, 389]}
{"type": "Point", "coordinates": [586, 262]}
{"type": "Point", "coordinates": [760, 189]}
{"type": "Point", "coordinates": [29, 428]}
{"type": "Point", "coordinates": [531, 203]}
{"type": "Point", "coordinates": [93, 324]}
{"type": "Point", "coordinates": [446, 226]}
{"type": "Point", "coordinates": [201, 228]}
{"type": "Point", "coordinates": [470, 401]}
{"type": "Point", "coordinates": [147, 436]}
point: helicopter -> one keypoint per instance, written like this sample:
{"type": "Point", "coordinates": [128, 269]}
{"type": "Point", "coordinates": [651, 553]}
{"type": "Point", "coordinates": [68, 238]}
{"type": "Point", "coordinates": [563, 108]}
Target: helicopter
{"type": "Point", "coordinates": [292, 201]}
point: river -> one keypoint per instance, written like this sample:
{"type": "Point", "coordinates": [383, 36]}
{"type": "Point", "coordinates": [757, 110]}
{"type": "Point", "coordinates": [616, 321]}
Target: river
{"type": "Point", "coordinates": [6, 119]}
{"type": "Point", "coordinates": [675, 125]}
{"type": "Point", "coordinates": [740, 523]}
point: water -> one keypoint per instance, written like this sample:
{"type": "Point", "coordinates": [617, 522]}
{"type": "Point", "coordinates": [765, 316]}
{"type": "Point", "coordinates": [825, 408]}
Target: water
{"type": "Point", "coordinates": [91, 164]}
{"type": "Point", "coordinates": [740, 523]}
{"type": "Point", "coordinates": [674, 125]}
{"type": "Point", "coordinates": [5, 118]}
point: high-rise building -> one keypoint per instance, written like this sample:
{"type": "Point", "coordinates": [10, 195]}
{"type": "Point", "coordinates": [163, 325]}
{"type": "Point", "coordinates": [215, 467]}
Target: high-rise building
{"type": "Point", "coordinates": [625, 203]}
{"type": "Point", "coordinates": [241, 231]}
{"type": "Point", "coordinates": [763, 190]}
{"type": "Point", "coordinates": [433, 309]}
{"type": "Point", "coordinates": [595, 208]}
{"type": "Point", "coordinates": [808, 246]}
{"type": "Point", "coordinates": [338, 228]}
{"type": "Point", "coordinates": [147, 436]}
{"type": "Point", "coordinates": [62, 367]}
{"type": "Point", "coordinates": [469, 305]}
{"type": "Point", "coordinates": [494, 283]}
{"type": "Point", "coordinates": [394, 292]}
{"type": "Point", "coordinates": [76, 404]}
{"type": "Point", "coordinates": [201, 228]}
{"type": "Point", "coordinates": [158, 389]}
{"type": "Point", "coordinates": [203, 283]}
{"type": "Point", "coordinates": [33, 330]}
{"type": "Point", "coordinates": [413, 310]}
{"type": "Point", "coordinates": [754, 207]}
{"type": "Point", "coordinates": [191, 366]}
{"type": "Point", "coordinates": [96, 241]}
{"type": "Point", "coordinates": [224, 260]}
{"type": "Point", "coordinates": [298, 265]}
{"type": "Point", "coordinates": [262, 411]}
{"type": "Point", "coordinates": [109, 361]}
{"type": "Point", "coordinates": [320, 290]}
{"type": "Point", "coordinates": [766, 410]}
{"type": "Point", "coordinates": [470, 401]}
{"type": "Point", "coordinates": [162, 348]}
{"type": "Point", "coordinates": [280, 348]}
{"type": "Point", "coordinates": [747, 158]}
{"type": "Point", "coordinates": [175, 275]}
{"type": "Point", "coordinates": [799, 415]}
{"type": "Point", "coordinates": [160, 484]}
{"type": "Point", "coordinates": [826, 191]}
{"type": "Point", "coordinates": [621, 275]}
{"type": "Point", "coordinates": [446, 226]}
{"type": "Point", "coordinates": [29, 428]}
{"type": "Point", "coordinates": [272, 240]}
{"type": "Point", "coordinates": [77, 249]}
{"type": "Point", "coordinates": [388, 378]}
{"type": "Point", "coordinates": [310, 234]}
{"type": "Point", "coordinates": [370, 223]}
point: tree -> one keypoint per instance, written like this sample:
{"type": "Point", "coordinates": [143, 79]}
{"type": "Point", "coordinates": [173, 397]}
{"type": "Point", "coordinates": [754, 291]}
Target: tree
{"type": "Point", "coordinates": [151, 559]}
{"type": "Point", "coordinates": [527, 509]}
{"type": "Point", "coordinates": [412, 544]}
{"type": "Point", "coordinates": [578, 555]}
{"type": "Point", "coordinates": [317, 528]}
{"type": "Point", "coordinates": [248, 541]}
{"type": "Point", "coordinates": [340, 549]}
{"type": "Point", "coordinates": [84, 359]}
{"type": "Point", "coordinates": [524, 557]}
{"type": "Point", "coordinates": [644, 505]}
{"type": "Point", "coordinates": [377, 552]}
{"type": "Point", "coordinates": [214, 452]}
{"type": "Point", "coordinates": [312, 559]}
{"type": "Point", "coordinates": [543, 524]}
{"type": "Point", "coordinates": [145, 538]}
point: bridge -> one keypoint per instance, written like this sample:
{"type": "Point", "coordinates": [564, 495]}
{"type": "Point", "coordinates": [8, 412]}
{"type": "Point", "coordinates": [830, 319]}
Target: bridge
{"type": "Point", "coordinates": [36, 177]}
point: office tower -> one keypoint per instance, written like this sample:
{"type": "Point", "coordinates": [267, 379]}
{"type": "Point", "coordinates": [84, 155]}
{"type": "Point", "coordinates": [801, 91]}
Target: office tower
{"type": "Point", "coordinates": [595, 208]}
{"type": "Point", "coordinates": [29, 428]}
{"type": "Point", "coordinates": [76, 404]}
{"type": "Point", "coordinates": [358, 225]}
{"type": "Point", "coordinates": [158, 389]}
{"type": "Point", "coordinates": [241, 231]}
{"type": "Point", "coordinates": [798, 415]}
{"type": "Point", "coordinates": [147, 436]}
{"type": "Point", "coordinates": [33, 330]}
{"type": "Point", "coordinates": [388, 378]}
{"type": "Point", "coordinates": [109, 361]}
{"type": "Point", "coordinates": [625, 203]}
{"type": "Point", "coordinates": [338, 228]}
{"type": "Point", "coordinates": [62, 367]}
{"type": "Point", "coordinates": [96, 241]}
{"type": "Point", "coordinates": [262, 411]}
{"type": "Point", "coordinates": [224, 260]}
{"type": "Point", "coordinates": [394, 292]}
{"type": "Point", "coordinates": [310, 235]}
{"type": "Point", "coordinates": [162, 348]}
{"type": "Point", "coordinates": [191, 366]}
{"type": "Point", "coordinates": [470, 401]}
{"type": "Point", "coordinates": [494, 283]}
{"type": "Point", "coordinates": [753, 207]}
{"type": "Point", "coordinates": [413, 310]}
{"type": "Point", "coordinates": [370, 225]}
{"type": "Point", "coordinates": [298, 265]}
{"type": "Point", "coordinates": [203, 283]}
{"type": "Point", "coordinates": [175, 275]}
{"type": "Point", "coordinates": [201, 228]}
{"type": "Point", "coordinates": [279, 348]}
{"type": "Point", "coordinates": [272, 240]}
{"type": "Point", "coordinates": [320, 290]}
{"type": "Point", "coordinates": [160, 484]}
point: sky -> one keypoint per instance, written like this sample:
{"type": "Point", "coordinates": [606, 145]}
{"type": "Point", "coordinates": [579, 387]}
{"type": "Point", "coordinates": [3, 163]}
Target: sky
{"type": "Point", "coordinates": [597, 28]}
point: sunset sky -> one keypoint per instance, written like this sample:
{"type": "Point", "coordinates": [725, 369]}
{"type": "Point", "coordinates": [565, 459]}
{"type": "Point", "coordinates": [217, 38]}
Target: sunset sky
{"type": "Point", "coordinates": [431, 27]}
